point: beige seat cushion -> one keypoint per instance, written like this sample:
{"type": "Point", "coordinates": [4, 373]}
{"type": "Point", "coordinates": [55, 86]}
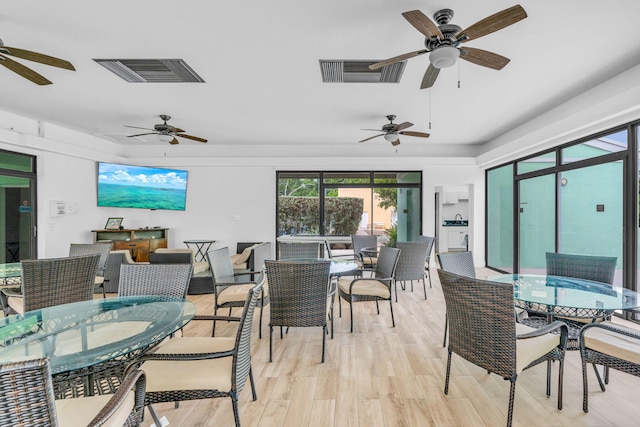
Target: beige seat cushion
{"type": "Point", "coordinates": [200, 266]}
{"type": "Point", "coordinates": [243, 257]}
{"type": "Point", "coordinates": [213, 374]}
{"type": "Point", "coordinates": [16, 303]}
{"type": "Point", "coordinates": [365, 287]}
{"type": "Point", "coordinates": [530, 349]}
{"type": "Point", "coordinates": [238, 293]}
{"type": "Point", "coordinates": [80, 411]}
{"type": "Point", "coordinates": [612, 343]}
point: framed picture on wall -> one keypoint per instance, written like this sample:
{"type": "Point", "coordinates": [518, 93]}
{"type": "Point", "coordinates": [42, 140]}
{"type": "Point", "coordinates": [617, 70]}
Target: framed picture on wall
{"type": "Point", "coordinates": [113, 224]}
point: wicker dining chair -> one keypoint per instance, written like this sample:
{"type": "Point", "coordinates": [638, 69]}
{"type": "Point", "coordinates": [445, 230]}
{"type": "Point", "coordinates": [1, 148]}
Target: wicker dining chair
{"type": "Point", "coordinates": [52, 281]}
{"type": "Point", "coordinates": [376, 288]}
{"type": "Point", "coordinates": [611, 345]}
{"type": "Point", "coordinates": [300, 296]}
{"type": "Point", "coordinates": [411, 264]}
{"type": "Point", "coordinates": [363, 241]}
{"type": "Point", "coordinates": [190, 368]}
{"type": "Point", "coordinates": [292, 250]}
{"type": "Point", "coordinates": [170, 280]}
{"type": "Point", "coordinates": [102, 248]}
{"type": "Point", "coordinates": [460, 263]}
{"type": "Point", "coordinates": [427, 263]}
{"type": "Point", "coordinates": [483, 331]}
{"type": "Point", "coordinates": [231, 288]}
{"type": "Point", "coordinates": [27, 399]}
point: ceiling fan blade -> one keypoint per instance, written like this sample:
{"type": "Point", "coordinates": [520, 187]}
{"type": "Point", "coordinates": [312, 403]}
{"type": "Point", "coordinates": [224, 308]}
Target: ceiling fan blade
{"type": "Point", "coordinates": [174, 141]}
{"type": "Point", "coordinates": [397, 59]}
{"type": "Point", "coordinates": [396, 142]}
{"type": "Point", "coordinates": [422, 23]}
{"type": "Point", "coordinates": [375, 130]}
{"type": "Point", "coordinates": [493, 23]}
{"type": "Point", "coordinates": [173, 129]}
{"type": "Point", "coordinates": [137, 127]}
{"type": "Point", "coordinates": [430, 77]}
{"type": "Point", "coordinates": [38, 57]}
{"type": "Point", "coordinates": [418, 134]}
{"type": "Point", "coordinates": [404, 125]}
{"type": "Point", "coordinates": [484, 58]}
{"type": "Point", "coordinates": [25, 72]}
{"type": "Point", "coordinates": [195, 138]}
{"type": "Point", "coordinates": [142, 134]}
{"type": "Point", "coordinates": [375, 136]}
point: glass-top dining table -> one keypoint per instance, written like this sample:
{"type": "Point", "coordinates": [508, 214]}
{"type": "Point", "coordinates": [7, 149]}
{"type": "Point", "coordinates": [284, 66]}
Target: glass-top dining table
{"type": "Point", "coordinates": [91, 343]}
{"type": "Point", "coordinates": [569, 293]}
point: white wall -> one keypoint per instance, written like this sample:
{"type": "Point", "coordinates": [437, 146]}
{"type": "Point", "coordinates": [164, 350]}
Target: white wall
{"type": "Point", "coordinates": [228, 200]}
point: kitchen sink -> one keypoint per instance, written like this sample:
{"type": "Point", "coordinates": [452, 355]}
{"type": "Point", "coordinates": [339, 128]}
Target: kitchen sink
{"type": "Point", "coordinates": [455, 222]}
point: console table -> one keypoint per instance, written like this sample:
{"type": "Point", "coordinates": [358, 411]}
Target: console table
{"type": "Point", "coordinates": [140, 241]}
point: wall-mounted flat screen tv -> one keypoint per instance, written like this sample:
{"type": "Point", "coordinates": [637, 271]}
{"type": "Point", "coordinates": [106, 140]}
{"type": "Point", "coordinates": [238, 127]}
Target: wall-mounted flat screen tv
{"type": "Point", "coordinates": [143, 187]}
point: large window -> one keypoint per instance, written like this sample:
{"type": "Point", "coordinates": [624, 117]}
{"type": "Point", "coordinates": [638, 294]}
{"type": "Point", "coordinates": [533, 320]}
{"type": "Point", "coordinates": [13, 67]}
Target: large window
{"type": "Point", "coordinates": [569, 200]}
{"type": "Point", "coordinates": [388, 204]}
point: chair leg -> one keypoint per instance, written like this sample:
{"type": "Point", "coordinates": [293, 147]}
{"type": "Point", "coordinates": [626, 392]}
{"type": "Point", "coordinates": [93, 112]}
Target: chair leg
{"type": "Point", "coordinates": [446, 325]}
{"type": "Point", "coordinates": [377, 307]}
{"type": "Point", "coordinates": [446, 380]}
{"type": "Point", "coordinates": [253, 385]}
{"type": "Point", "coordinates": [260, 323]}
{"type": "Point", "coordinates": [324, 339]}
{"type": "Point", "coordinates": [152, 411]}
{"type": "Point", "coordinates": [512, 395]}
{"type": "Point", "coordinates": [331, 311]}
{"type": "Point", "coordinates": [236, 415]}
{"type": "Point", "coordinates": [351, 314]}
{"type": "Point", "coordinates": [395, 285]}
{"type": "Point", "coordinates": [560, 380]}
{"type": "Point", "coordinates": [424, 287]}
{"type": "Point", "coordinates": [270, 343]}
{"type": "Point", "coordinates": [215, 313]}
{"type": "Point", "coordinates": [339, 306]}
{"type": "Point", "coordinates": [393, 322]}
{"type": "Point", "coordinates": [548, 378]}
{"type": "Point", "coordinates": [606, 375]}
{"type": "Point", "coordinates": [429, 274]}
{"type": "Point", "coordinates": [411, 285]}
{"type": "Point", "coordinates": [595, 368]}
{"type": "Point", "coordinates": [585, 388]}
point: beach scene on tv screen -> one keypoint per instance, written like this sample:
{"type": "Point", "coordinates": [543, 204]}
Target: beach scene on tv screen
{"type": "Point", "coordinates": [142, 187]}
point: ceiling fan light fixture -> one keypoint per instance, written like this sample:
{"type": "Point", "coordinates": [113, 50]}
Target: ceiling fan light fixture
{"type": "Point", "coordinates": [444, 56]}
{"type": "Point", "coordinates": [165, 138]}
{"type": "Point", "coordinates": [391, 137]}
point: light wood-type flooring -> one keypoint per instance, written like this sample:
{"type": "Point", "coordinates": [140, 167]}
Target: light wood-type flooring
{"type": "Point", "coordinates": [384, 376]}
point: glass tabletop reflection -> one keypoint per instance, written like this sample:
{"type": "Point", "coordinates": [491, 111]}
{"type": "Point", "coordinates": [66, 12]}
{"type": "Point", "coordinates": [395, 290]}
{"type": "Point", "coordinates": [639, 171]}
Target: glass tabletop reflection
{"type": "Point", "coordinates": [83, 334]}
{"type": "Point", "coordinates": [558, 291]}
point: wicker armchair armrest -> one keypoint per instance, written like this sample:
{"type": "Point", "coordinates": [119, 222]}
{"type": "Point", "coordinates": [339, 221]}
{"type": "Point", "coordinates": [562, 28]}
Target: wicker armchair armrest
{"type": "Point", "coordinates": [555, 326]}
{"type": "Point", "coordinates": [12, 292]}
{"type": "Point", "coordinates": [134, 380]}
{"type": "Point", "coordinates": [384, 280]}
{"type": "Point", "coordinates": [186, 356]}
{"type": "Point", "coordinates": [619, 329]}
{"type": "Point", "coordinates": [244, 272]}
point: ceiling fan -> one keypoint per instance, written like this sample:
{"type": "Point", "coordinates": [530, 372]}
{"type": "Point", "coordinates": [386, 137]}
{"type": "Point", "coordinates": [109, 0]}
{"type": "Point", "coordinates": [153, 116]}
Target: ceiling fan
{"type": "Point", "coordinates": [26, 72]}
{"type": "Point", "coordinates": [166, 132]}
{"type": "Point", "coordinates": [443, 41]}
{"type": "Point", "coordinates": [391, 130]}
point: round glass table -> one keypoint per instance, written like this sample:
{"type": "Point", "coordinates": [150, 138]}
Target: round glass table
{"type": "Point", "coordinates": [91, 343]}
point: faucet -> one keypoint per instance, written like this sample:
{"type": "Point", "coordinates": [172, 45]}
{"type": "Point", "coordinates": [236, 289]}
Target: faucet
{"type": "Point", "coordinates": [458, 215]}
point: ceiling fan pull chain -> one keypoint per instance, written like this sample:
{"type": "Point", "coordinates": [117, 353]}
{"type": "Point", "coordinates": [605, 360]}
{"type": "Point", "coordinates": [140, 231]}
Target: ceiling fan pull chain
{"type": "Point", "coordinates": [458, 74]}
{"type": "Point", "coordinates": [429, 110]}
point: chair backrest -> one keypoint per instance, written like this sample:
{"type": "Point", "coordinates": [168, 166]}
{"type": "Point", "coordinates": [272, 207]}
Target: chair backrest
{"type": "Point", "coordinates": [411, 260]}
{"type": "Point", "coordinates": [387, 262]}
{"type": "Point", "coordinates": [26, 394]}
{"type": "Point", "coordinates": [112, 270]}
{"type": "Point", "coordinates": [460, 263]}
{"type": "Point", "coordinates": [54, 281]}
{"type": "Point", "coordinates": [298, 292]}
{"type": "Point", "coordinates": [242, 356]}
{"type": "Point", "coordinates": [171, 280]}
{"type": "Point", "coordinates": [102, 248]}
{"type": "Point", "coordinates": [430, 241]}
{"type": "Point", "coordinates": [362, 241]}
{"type": "Point", "coordinates": [291, 250]}
{"type": "Point", "coordinates": [171, 257]}
{"type": "Point", "coordinates": [482, 326]}
{"type": "Point", "coordinates": [220, 266]}
{"type": "Point", "coordinates": [596, 268]}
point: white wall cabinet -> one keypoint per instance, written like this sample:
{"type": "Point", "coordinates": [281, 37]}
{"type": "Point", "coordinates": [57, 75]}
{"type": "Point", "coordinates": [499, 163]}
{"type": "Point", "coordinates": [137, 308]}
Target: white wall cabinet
{"type": "Point", "coordinates": [450, 197]}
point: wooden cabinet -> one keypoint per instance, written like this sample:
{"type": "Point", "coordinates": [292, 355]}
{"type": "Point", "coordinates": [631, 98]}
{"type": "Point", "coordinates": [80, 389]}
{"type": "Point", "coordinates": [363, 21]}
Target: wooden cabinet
{"type": "Point", "coordinates": [140, 242]}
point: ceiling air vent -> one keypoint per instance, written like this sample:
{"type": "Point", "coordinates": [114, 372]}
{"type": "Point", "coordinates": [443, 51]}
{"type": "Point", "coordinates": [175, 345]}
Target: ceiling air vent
{"type": "Point", "coordinates": [151, 70]}
{"type": "Point", "coordinates": [336, 71]}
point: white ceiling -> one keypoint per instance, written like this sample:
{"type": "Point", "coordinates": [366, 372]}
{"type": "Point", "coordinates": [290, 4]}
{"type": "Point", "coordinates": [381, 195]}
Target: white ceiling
{"type": "Point", "coordinates": [263, 87]}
